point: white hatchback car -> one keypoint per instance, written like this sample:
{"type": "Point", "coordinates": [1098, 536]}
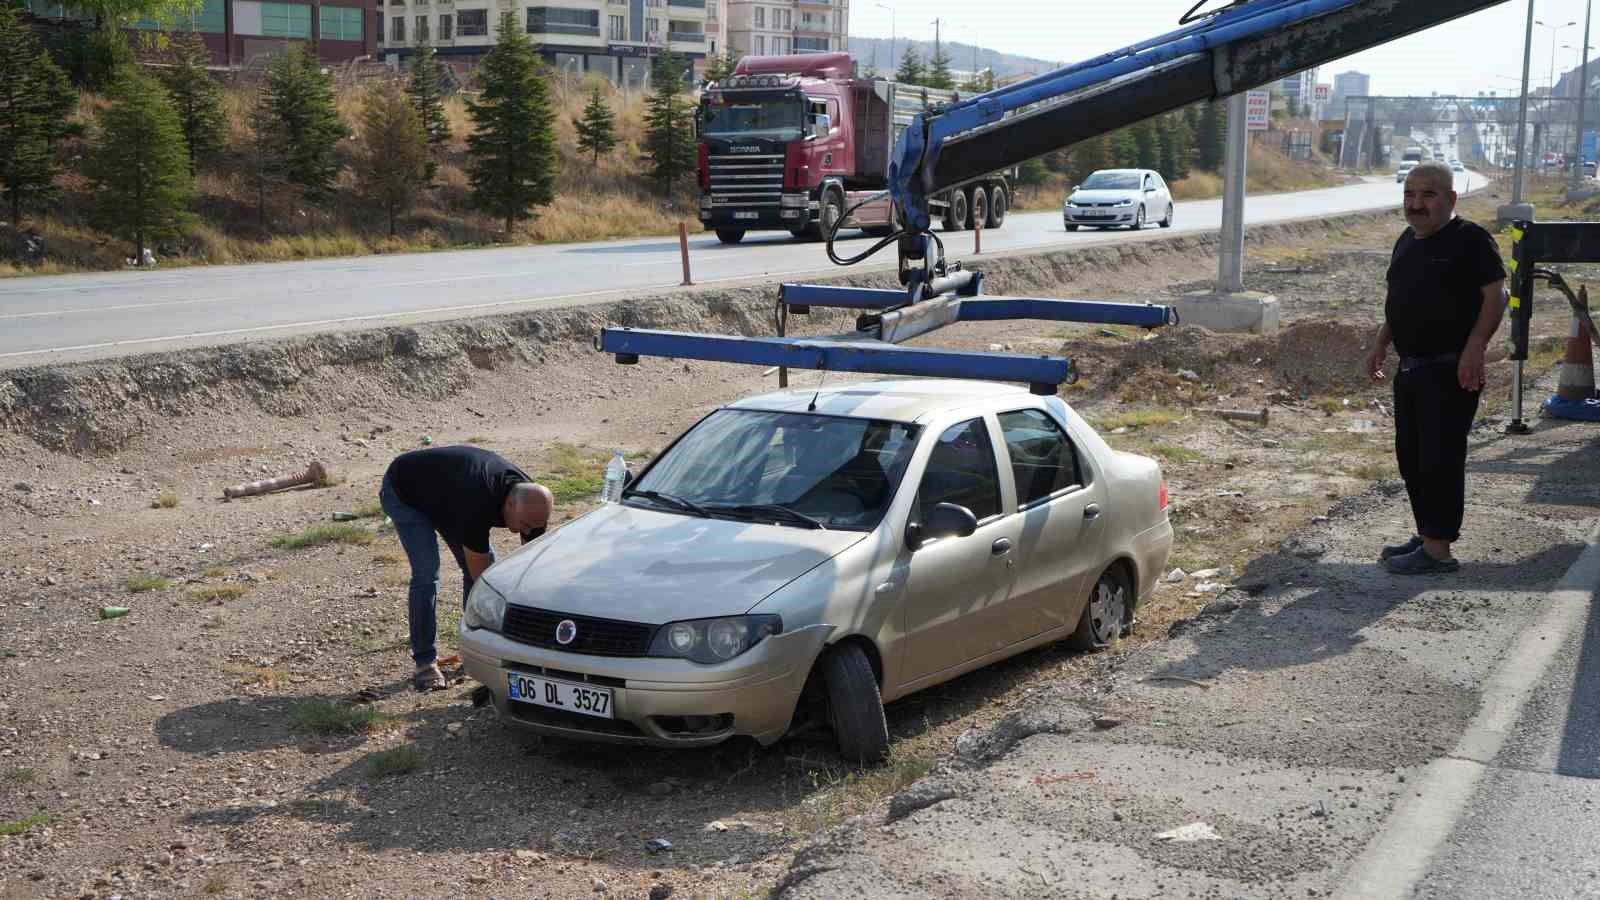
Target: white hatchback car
{"type": "Point", "coordinates": [1109, 197]}
{"type": "Point", "coordinates": [807, 556]}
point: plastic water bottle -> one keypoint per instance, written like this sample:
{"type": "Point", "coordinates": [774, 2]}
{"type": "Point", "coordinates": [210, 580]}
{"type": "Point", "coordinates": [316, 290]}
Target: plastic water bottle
{"type": "Point", "coordinates": [616, 477]}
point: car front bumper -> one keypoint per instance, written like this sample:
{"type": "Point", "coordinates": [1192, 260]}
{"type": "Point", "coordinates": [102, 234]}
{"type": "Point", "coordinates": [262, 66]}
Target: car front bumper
{"type": "Point", "coordinates": [1099, 216]}
{"type": "Point", "coordinates": [655, 701]}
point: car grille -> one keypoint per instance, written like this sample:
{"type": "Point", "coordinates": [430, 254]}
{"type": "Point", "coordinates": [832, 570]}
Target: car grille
{"type": "Point", "coordinates": [746, 179]}
{"type": "Point", "coordinates": [596, 637]}
{"type": "Point", "coordinates": [561, 718]}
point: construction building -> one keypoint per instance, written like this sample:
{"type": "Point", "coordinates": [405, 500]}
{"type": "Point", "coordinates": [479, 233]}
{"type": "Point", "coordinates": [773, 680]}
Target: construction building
{"type": "Point", "coordinates": [237, 31]}
{"type": "Point", "coordinates": [777, 27]}
{"type": "Point", "coordinates": [1348, 84]}
{"type": "Point", "coordinates": [614, 38]}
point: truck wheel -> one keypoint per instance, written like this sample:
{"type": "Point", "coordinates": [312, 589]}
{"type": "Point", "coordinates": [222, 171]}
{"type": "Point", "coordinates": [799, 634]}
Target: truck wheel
{"type": "Point", "coordinates": [831, 211]}
{"type": "Point", "coordinates": [998, 202]}
{"type": "Point", "coordinates": [980, 207]}
{"type": "Point", "coordinates": [730, 235]}
{"type": "Point", "coordinates": [855, 708]}
{"type": "Point", "coordinates": [1105, 616]}
{"type": "Point", "coordinates": [955, 213]}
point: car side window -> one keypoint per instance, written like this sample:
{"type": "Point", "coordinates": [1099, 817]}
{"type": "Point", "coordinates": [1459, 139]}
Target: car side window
{"type": "Point", "coordinates": [1043, 460]}
{"type": "Point", "coordinates": [961, 470]}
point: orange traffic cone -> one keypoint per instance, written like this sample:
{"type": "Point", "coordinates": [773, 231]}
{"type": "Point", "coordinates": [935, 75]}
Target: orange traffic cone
{"type": "Point", "coordinates": [1577, 367]}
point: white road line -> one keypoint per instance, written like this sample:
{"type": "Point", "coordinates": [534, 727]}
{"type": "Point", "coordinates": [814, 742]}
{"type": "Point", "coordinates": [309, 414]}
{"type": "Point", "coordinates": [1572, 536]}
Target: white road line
{"type": "Point", "coordinates": [99, 309]}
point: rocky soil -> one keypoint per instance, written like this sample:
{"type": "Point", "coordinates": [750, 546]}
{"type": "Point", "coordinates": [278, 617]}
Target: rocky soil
{"type": "Point", "coordinates": [166, 751]}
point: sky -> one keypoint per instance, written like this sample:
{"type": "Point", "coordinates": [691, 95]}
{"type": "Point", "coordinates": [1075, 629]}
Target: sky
{"type": "Point", "coordinates": [1480, 52]}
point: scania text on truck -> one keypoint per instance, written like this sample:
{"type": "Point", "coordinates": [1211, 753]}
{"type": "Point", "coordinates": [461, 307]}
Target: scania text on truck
{"type": "Point", "coordinates": [795, 142]}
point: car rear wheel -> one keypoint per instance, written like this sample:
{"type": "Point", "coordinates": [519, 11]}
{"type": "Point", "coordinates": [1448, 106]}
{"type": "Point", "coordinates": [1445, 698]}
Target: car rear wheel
{"type": "Point", "coordinates": [855, 708]}
{"type": "Point", "coordinates": [1105, 616]}
{"type": "Point", "coordinates": [730, 235]}
{"type": "Point", "coordinates": [1167, 222]}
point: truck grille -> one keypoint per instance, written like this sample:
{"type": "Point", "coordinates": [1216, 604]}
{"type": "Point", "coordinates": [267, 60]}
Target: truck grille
{"type": "Point", "coordinates": [595, 637]}
{"type": "Point", "coordinates": [746, 179]}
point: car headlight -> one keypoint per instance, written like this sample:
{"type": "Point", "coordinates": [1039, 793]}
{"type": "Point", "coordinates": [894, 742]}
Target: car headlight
{"type": "Point", "coordinates": [486, 607]}
{"type": "Point", "coordinates": [1124, 202]}
{"type": "Point", "coordinates": [712, 640]}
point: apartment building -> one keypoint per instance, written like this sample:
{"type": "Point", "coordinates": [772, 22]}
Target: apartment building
{"type": "Point", "coordinates": [777, 27]}
{"type": "Point", "coordinates": [615, 38]}
{"type": "Point", "coordinates": [236, 31]}
{"type": "Point", "coordinates": [1301, 87]}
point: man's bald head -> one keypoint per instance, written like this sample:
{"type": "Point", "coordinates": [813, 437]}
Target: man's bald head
{"type": "Point", "coordinates": [528, 507]}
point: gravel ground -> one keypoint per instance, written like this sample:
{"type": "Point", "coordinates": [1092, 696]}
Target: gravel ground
{"type": "Point", "coordinates": [155, 754]}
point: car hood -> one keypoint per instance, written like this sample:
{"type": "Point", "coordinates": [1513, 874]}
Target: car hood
{"type": "Point", "coordinates": [642, 565]}
{"type": "Point", "coordinates": [1102, 196]}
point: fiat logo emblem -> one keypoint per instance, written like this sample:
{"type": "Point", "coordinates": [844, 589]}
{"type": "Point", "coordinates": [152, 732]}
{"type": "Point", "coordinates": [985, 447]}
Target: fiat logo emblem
{"type": "Point", "coordinates": [566, 632]}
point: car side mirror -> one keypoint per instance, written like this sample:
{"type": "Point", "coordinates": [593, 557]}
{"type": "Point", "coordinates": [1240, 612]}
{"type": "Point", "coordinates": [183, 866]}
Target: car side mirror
{"type": "Point", "coordinates": [946, 520]}
{"type": "Point", "coordinates": [627, 477]}
{"type": "Point", "coordinates": [821, 124]}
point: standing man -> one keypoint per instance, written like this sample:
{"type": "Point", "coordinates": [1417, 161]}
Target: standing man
{"type": "Point", "coordinates": [1444, 303]}
{"type": "Point", "coordinates": [460, 492]}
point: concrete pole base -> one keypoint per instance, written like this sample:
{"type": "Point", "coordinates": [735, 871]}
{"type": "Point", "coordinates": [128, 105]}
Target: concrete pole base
{"type": "Point", "coordinates": [1247, 311]}
{"type": "Point", "coordinates": [1512, 212]}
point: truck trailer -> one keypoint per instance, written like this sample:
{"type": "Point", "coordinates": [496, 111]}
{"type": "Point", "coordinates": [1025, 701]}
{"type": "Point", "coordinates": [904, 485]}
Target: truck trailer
{"type": "Point", "coordinates": [795, 142]}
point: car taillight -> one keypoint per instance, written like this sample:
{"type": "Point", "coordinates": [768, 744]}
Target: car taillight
{"type": "Point", "coordinates": [704, 165]}
{"type": "Point", "coordinates": [795, 170]}
{"type": "Point", "coordinates": [1163, 496]}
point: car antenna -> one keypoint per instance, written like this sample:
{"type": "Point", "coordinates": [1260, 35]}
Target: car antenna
{"type": "Point", "coordinates": [812, 406]}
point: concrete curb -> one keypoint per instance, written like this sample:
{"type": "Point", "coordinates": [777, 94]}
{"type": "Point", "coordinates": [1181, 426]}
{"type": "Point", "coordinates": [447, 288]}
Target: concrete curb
{"type": "Point", "coordinates": [1398, 856]}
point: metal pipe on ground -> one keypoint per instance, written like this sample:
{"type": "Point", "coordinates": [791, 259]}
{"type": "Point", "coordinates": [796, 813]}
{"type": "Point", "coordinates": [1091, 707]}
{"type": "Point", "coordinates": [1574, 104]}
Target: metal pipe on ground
{"type": "Point", "coordinates": [314, 474]}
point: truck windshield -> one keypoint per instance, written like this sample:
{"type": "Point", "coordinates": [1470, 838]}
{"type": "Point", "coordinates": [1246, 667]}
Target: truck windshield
{"type": "Point", "coordinates": [839, 472]}
{"type": "Point", "coordinates": [780, 117]}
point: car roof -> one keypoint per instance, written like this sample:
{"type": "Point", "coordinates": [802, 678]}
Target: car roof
{"type": "Point", "coordinates": [898, 400]}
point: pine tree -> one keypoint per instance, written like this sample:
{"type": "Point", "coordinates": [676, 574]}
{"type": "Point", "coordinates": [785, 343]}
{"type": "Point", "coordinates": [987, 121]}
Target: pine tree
{"type": "Point", "coordinates": [301, 98]}
{"type": "Point", "coordinates": [980, 82]}
{"type": "Point", "coordinates": [1146, 145]}
{"type": "Point", "coordinates": [427, 98]}
{"type": "Point", "coordinates": [939, 76]}
{"type": "Point", "coordinates": [723, 66]}
{"type": "Point", "coordinates": [142, 183]}
{"type": "Point", "coordinates": [1191, 117]}
{"type": "Point", "coordinates": [393, 162]}
{"type": "Point", "coordinates": [1211, 137]}
{"type": "Point", "coordinates": [669, 138]}
{"type": "Point", "coordinates": [263, 153]}
{"type": "Point", "coordinates": [1124, 151]}
{"type": "Point", "coordinates": [1173, 147]}
{"type": "Point", "coordinates": [597, 129]}
{"type": "Point", "coordinates": [513, 142]}
{"type": "Point", "coordinates": [911, 70]}
{"type": "Point", "coordinates": [1089, 155]}
{"type": "Point", "coordinates": [196, 97]}
{"type": "Point", "coordinates": [35, 102]}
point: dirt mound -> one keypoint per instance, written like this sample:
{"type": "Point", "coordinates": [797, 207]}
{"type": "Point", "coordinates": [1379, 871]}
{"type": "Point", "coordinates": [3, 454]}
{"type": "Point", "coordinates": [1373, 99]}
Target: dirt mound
{"type": "Point", "coordinates": [1320, 357]}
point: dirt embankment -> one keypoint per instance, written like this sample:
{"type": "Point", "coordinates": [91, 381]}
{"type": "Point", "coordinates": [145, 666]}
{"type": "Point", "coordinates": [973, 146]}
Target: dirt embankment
{"type": "Point", "coordinates": [100, 407]}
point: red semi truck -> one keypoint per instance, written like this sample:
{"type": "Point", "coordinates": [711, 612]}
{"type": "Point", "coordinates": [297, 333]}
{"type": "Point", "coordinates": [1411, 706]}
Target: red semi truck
{"type": "Point", "coordinates": [794, 142]}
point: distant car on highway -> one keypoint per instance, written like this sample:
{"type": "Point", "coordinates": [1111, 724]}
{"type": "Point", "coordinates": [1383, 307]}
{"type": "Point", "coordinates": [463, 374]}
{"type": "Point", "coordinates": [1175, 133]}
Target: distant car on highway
{"type": "Point", "coordinates": [803, 557]}
{"type": "Point", "coordinates": [1404, 170]}
{"type": "Point", "coordinates": [1111, 197]}
{"type": "Point", "coordinates": [1456, 166]}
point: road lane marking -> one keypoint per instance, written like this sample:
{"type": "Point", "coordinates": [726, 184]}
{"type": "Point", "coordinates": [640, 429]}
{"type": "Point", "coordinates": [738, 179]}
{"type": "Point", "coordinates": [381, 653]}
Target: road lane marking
{"type": "Point", "coordinates": [97, 309]}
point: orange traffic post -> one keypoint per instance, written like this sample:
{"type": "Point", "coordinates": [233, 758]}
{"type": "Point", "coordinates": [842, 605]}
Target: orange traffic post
{"type": "Point", "coordinates": [683, 248]}
{"type": "Point", "coordinates": [977, 236]}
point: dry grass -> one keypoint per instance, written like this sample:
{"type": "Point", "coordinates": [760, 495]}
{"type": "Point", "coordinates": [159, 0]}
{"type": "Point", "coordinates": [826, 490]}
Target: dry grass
{"type": "Point", "coordinates": [1147, 417]}
{"type": "Point", "coordinates": [842, 791]}
{"type": "Point", "coordinates": [1269, 172]}
{"type": "Point", "coordinates": [139, 584]}
{"type": "Point", "coordinates": [325, 533]}
{"type": "Point", "coordinates": [165, 501]}
{"type": "Point", "coordinates": [398, 761]}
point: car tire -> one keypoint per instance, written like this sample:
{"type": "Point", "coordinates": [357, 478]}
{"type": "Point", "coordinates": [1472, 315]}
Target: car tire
{"type": "Point", "coordinates": [730, 235]}
{"type": "Point", "coordinates": [999, 205]}
{"type": "Point", "coordinates": [1105, 614]}
{"type": "Point", "coordinates": [1072, 228]}
{"type": "Point", "coordinates": [978, 207]}
{"type": "Point", "coordinates": [799, 232]}
{"type": "Point", "coordinates": [855, 708]}
{"type": "Point", "coordinates": [1167, 222]}
{"type": "Point", "coordinates": [955, 213]}
{"type": "Point", "coordinates": [1138, 221]}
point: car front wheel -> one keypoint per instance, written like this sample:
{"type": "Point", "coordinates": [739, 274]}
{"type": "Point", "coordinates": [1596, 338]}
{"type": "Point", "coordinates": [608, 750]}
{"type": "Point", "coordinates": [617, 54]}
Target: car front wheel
{"type": "Point", "coordinates": [1138, 220]}
{"type": "Point", "coordinates": [1105, 616]}
{"type": "Point", "coordinates": [730, 235]}
{"type": "Point", "coordinates": [855, 708]}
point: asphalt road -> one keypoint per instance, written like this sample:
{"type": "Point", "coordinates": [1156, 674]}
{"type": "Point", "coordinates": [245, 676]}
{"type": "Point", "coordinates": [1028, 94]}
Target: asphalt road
{"type": "Point", "coordinates": [69, 317]}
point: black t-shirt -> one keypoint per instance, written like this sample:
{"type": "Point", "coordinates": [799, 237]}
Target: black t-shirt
{"type": "Point", "coordinates": [1435, 287]}
{"type": "Point", "coordinates": [460, 489]}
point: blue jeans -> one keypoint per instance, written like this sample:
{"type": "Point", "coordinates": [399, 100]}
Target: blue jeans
{"type": "Point", "coordinates": [421, 544]}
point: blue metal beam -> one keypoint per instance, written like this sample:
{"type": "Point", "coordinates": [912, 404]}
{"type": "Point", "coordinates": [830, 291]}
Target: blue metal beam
{"type": "Point", "coordinates": [1041, 373]}
{"type": "Point", "coordinates": [1098, 312]}
{"type": "Point", "coordinates": [840, 297]}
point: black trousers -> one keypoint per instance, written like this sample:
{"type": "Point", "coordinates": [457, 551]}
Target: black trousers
{"type": "Point", "coordinates": [1432, 416]}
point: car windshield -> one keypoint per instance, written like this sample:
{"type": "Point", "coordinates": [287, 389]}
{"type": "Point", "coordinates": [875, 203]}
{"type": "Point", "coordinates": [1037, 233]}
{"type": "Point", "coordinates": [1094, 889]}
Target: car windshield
{"type": "Point", "coordinates": [778, 116]}
{"type": "Point", "coordinates": [1111, 181]}
{"type": "Point", "coordinates": [840, 472]}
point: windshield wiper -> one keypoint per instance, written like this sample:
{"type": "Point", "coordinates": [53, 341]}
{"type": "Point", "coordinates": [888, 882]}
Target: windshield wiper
{"type": "Point", "coordinates": [674, 501]}
{"type": "Point", "coordinates": [756, 510]}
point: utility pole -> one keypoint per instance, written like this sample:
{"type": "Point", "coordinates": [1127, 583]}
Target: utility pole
{"type": "Point", "coordinates": [1583, 91]}
{"type": "Point", "coordinates": [1522, 115]}
{"type": "Point", "coordinates": [1230, 274]}
{"type": "Point", "coordinates": [936, 37]}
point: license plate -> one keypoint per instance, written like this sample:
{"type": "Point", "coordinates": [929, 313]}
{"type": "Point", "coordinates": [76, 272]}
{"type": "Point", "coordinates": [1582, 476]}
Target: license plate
{"type": "Point", "coordinates": [747, 215]}
{"type": "Point", "coordinates": [565, 695]}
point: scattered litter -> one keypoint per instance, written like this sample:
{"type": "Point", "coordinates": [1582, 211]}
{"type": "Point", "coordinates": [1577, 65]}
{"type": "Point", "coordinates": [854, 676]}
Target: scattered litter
{"type": "Point", "coordinates": [114, 612]}
{"type": "Point", "coordinates": [1211, 587]}
{"type": "Point", "coordinates": [657, 845]}
{"type": "Point", "coordinates": [426, 440]}
{"type": "Point", "coordinates": [1189, 375]}
{"type": "Point", "coordinates": [207, 547]}
{"type": "Point", "coordinates": [1230, 493]}
{"type": "Point", "coordinates": [1179, 678]}
{"type": "Point", "coordinates": [156, 697]}
{"type": "Point", "coordinates": [1319, 520]}
{"type": "Point", "coordinates": [1269, 443]}
{"type": "Point", "coordinates": [453, 659]}
{"type": "Point", "coordinates": [344, 517]}
{"type": "Point", "coordinates": [1042, 780]}
{"type": "Point", "coordinates": [660, 891]}
{"type": "Point", "coordinates": [1363, 426]}
{"type": "Point", "coordinates": [1303, 549]}
{"type": "Point", "coordinates": [1106, 332]}
{"type": "Point", "coordinates": [718, 827]}
{"type": "Point", "coordinates": [454, 728]}
{"type": "Point", "coordinates": [1120, 430]}
{"type": "Point", "coordinates": [1176, 576]}
{"type": "Point", "coordinates": [1194, 831]}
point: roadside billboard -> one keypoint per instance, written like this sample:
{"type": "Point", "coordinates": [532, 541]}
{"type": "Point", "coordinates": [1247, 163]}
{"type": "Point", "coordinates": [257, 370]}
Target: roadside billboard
{"type": "Point", "coordinates": [1257, 110]}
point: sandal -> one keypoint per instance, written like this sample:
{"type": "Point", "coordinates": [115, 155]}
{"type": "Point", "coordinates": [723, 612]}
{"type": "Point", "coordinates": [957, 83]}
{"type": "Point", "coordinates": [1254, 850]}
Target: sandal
{"type": "Point", "coordinates": [429, 678]}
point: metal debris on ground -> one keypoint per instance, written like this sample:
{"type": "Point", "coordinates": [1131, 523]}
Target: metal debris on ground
{"type": "Point", "coordinates": [315, 473]}
{"type": "Point", "coordinates": [657, 845]}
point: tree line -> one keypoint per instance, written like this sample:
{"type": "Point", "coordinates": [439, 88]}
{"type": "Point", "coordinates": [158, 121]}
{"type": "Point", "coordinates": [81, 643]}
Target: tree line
{"type": "Point", "coordinates": [163, 127]}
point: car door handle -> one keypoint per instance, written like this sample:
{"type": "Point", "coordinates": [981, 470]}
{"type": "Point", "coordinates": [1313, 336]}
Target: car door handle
{"type": "Point", "coordinates": [1000, 547]}
{"type": "Point", "coordinates": [1092, 511]}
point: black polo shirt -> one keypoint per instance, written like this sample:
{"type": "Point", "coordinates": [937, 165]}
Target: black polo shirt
{"type": "Point", "coordinates": [461, 490]}
{"type": "Point", "coordinates": [1435, 287]}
